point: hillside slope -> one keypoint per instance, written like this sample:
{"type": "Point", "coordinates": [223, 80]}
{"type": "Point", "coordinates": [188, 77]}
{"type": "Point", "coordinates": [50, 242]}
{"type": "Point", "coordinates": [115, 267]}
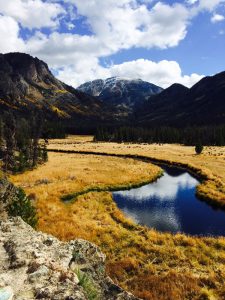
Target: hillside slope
{"type": "Point", "coordinates": [203, 104]}
{"type": "Point", "coordinates": [26, 84]}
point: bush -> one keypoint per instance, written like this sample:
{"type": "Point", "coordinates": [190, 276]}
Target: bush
{"type": "Point", "coordinates": [22, 207]}
{"type": "Point", "coordinates": [199, 148]}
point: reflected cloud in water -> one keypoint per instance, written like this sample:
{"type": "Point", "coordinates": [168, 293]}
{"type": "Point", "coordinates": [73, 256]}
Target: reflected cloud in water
{"type": "Point", "coordinates": [170, 204]}
{"type": "Point", "coordinates": [162, 220]}
{"type": "Point", "coordinates": [165, 189]}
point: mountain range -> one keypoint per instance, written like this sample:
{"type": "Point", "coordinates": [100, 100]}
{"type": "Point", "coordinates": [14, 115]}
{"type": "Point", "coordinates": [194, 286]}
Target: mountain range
{"type": "Point", "coordinates": [26, 83]}
{"type": "Point", "coordinates": [122, 93]}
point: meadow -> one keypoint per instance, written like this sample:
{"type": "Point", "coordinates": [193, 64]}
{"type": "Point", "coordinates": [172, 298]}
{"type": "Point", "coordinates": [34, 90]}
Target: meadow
{"type": "Point", "coordinates": [209, 166]}
{"type": "Point", "coordinates": [150, 264]}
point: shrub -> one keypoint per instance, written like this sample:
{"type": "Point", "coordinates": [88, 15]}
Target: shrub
{"type": "Point", "coordinates": [21, 206]}
{"type": "Point", "coordinates": [199, 148]}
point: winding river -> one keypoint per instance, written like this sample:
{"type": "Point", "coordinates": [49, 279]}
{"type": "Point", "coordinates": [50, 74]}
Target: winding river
{"type": "Point", "coordinates": [170, 205]}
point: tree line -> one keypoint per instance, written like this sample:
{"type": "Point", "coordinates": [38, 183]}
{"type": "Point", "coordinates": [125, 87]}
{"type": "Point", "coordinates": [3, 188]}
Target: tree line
{"type": "Point", "coordinates": [20, 146]}
{"type": "Point", "coordinates": [207, 135]}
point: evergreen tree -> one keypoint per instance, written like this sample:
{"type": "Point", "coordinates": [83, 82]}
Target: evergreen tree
{"type": "Point", "coordinates": [44, 153]}
{"type": "Point", "coordinates": [208, 135]}
{"type": "Point", "coordinates": [22, 206]}
{"type": "Point", "coordinates": [36, 127]}
{"type": "Point", "coordinates": [199, 148]}
{"type": "Point", "coordinates": [9, 131]}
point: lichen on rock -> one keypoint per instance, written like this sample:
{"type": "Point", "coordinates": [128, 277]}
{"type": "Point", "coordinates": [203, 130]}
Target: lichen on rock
{"type": "Point", "coordinates": [34, 265]}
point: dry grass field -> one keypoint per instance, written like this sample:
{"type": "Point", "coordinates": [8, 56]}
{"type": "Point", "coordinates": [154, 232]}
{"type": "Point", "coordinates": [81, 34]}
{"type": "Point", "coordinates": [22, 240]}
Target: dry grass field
{"type": "Point", "coordinates": [153, 265]}
{"type": "Point", "coordinates": [209, 165]}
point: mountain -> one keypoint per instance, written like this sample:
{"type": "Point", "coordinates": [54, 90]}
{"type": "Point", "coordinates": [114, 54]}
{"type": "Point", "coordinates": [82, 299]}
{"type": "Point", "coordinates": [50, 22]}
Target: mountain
{"type": "Point", "coordinates": [203, 104]}
{"type": "Point", "coordinates": [161, 107]}
{"type": "Point", "coordinates": [122, 93]}
{"type": "Point", "coordinates": [26, 84]}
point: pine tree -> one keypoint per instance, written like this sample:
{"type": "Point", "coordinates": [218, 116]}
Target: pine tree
{"type": "Point", "coordinates": [44, 153]}
{"type": "Point", "coordinates": [199, 148]}
{"type": "Point", "coordinates": [9, 132]}
{"type": "Point", "coordinates": [36, 127]}
{"type": "Point", "coordinates": [22, 206]}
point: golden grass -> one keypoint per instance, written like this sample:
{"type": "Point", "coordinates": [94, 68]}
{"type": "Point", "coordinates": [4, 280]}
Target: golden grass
{"type": "Point", "coordinates": [67, 174]}
{"type": "Point", "coordinates": [152, 265]}
{"type": "Point", "coordinates": [210, 165]}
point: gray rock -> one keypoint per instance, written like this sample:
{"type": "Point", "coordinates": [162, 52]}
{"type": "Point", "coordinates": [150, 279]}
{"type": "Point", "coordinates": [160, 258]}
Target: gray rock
{"type": "Point", "coordinates": [6, 293]}
{"type": "Point", "coordinates": [39, 266]}
{"type": "Point", "coordinates": [41, 271]}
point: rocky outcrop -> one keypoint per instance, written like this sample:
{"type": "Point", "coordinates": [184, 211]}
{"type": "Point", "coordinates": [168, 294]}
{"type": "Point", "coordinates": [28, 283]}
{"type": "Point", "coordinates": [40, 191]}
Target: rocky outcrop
{"type": "Point", "coordinates": [34, 265]}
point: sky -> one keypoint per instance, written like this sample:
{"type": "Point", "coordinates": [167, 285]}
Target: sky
{"type": "Point", "coordinates": [162, 42]}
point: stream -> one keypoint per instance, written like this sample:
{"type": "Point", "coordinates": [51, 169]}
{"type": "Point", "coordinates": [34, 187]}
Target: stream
{"type": "Point", "coordinates": [170, 205]}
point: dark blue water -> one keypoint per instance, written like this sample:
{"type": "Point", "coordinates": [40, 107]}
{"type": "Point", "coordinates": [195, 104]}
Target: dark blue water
{"type": "Point", "coordinates": [170, 204]}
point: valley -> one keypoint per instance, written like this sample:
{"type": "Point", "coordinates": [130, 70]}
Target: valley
{"type": "Point", "coordinates": [112, 150]}
{"type": "Point", "coordinates": [150, 264]}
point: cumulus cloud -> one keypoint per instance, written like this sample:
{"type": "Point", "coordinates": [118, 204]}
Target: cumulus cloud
{"type": "Point", "coordinates": [162, 73]}
{"type": "Point", "coordinates": [210, 4]}
{"type": "Point", "coordinates": [162, 26]}
{"type": "Point", "coordinates": [201, 5]}
{"type": "Point", "coordinates": [9, 35]}
{"type": "Point", "coordinates": [217, 18]}
{"type": "Point", "coordinates": [32, 13]}
{"type": "Point", "coordinates": [118, 25]}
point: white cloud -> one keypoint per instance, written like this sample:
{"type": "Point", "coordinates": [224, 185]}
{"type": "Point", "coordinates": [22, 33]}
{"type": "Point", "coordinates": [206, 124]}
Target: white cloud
{"type": "Point", "coordinates": [32, 13]}
{"type": "Point", "coordinates": [9, 35]}
{"type": "Point", "coordinates": [217, 18]}
{"type": "Point", "coordinates": [163, 26]}
{"type": "Point", "coordinates": [191, 2]}
{"type": "Point", "coordinates": [162, 73]}
{"type": "Point", "coordinates": [125, 24]}
{"type": "Point", "coordinates": [117, 25]}
{"type": "Point", "coordinates": [210, 4]}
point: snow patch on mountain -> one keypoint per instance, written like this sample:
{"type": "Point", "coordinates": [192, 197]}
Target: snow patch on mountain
{"type": "Point", "coordinates": [121, 91]}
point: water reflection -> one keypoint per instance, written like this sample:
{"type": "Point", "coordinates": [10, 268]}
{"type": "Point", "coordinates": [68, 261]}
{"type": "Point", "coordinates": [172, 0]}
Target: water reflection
{"type": "Point", "coordinates": [170, 204]}
{"type": "Point", "coordinates": [155, 218]}
{"type": "Point", "coordinates": [164, 189]}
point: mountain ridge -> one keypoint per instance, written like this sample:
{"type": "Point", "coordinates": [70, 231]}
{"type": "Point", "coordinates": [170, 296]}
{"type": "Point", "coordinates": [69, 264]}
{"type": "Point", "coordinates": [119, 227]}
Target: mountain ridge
{"type": "Point", "coordinates": [123, 93]}
{"type": "Point", "coordinates": [27, 84]}
{"type": "Point", "coordinates": [202, 104]}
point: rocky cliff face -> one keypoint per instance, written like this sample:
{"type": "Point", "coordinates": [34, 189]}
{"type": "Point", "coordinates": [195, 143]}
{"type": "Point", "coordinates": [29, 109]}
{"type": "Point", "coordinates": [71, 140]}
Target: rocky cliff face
{"type": "Point", "coordinates": [34, 265]}
{"type": "Point", "coordinates": [27, 83]}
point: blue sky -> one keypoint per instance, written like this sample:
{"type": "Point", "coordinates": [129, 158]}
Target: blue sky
{"type": "Point", "coordinates": [158, 41]}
